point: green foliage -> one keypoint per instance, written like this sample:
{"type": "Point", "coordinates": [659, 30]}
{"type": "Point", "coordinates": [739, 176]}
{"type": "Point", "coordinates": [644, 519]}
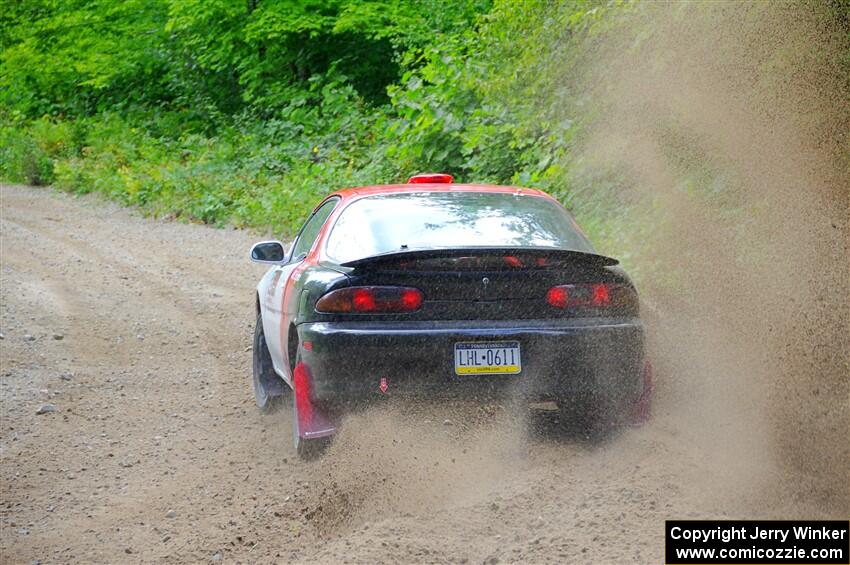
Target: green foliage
{"type": "Point", "coordinates": [81, 57]}
{"type": "Point", "coordinates": [246, 112]}
{"type": "Point", "coordinates": [260, 173]}
{"type": "Point", "coordinates": [77, 56]}
{"type": "Point", "coordinates": [30, 155]}
{"type": "Point", "coordinates": [26, 162]}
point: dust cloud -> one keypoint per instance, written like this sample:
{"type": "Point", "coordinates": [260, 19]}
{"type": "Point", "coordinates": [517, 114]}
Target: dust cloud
{"type": "Point", "coordinates": [727, 126]}
{"type": "Point", "coordinates": [409, 457]}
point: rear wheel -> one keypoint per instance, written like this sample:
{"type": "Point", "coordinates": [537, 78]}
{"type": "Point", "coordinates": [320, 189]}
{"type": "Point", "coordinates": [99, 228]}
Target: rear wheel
{"type": "Point", "coordinates": [595, 420]}
{"type": "Point", "coordinates": [596, 425]}
{"type": "Point", "coordinates": [267, 385]}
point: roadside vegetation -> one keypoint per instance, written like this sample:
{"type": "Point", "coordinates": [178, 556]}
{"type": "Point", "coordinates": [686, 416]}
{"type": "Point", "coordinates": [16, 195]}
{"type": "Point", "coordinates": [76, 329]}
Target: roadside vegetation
{"type": "Point", "coordinates": [246, 112]}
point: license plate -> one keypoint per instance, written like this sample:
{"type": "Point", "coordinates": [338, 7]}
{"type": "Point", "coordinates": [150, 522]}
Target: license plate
{"type": "Point", "coordinates": [482, 358]}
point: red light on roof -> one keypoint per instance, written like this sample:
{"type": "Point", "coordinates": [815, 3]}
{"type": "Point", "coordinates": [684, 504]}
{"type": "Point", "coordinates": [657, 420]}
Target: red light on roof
{"type": "Point", "coordinates": [431, 178]}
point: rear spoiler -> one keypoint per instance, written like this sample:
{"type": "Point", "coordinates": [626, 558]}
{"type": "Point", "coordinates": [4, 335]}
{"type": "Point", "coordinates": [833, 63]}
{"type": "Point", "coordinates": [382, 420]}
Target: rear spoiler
{"type": "Point", "coordinates": [527, 255]}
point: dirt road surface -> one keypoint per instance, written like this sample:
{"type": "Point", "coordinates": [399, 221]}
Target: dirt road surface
{"type": "Point", "coordinates": [137, 333]}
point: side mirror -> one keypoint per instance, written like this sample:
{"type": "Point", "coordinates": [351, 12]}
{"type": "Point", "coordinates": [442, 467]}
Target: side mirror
{"type": "Point", "coordinates": [268, 252]}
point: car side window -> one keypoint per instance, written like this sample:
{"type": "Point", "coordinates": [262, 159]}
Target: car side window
{"type": "Point", "coordinates": [311, 228]}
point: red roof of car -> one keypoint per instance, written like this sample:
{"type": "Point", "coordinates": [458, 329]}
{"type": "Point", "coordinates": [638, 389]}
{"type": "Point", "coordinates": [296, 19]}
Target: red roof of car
{"type": "Point", "coordinates": [349, 193]}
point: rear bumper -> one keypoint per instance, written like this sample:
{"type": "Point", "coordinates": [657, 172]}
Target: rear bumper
{"type": "Point", "coordinates": [583, 360]}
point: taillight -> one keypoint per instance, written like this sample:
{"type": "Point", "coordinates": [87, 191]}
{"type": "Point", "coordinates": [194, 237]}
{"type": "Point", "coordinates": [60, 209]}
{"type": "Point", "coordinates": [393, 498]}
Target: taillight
{"type": "Point", "coordinates": [370, 300]}
{"type": "Point", "coordinates": [600, 295]}
{"type": "Point", "coordinates": [512, 261]}
{"type": "Point", "coordinates": [558, 296]}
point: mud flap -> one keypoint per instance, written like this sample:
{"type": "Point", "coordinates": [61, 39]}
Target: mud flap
{"type": "Point", "coordinates": [642, 410]}
{"type": "Point", "coordinates": [310, 422]}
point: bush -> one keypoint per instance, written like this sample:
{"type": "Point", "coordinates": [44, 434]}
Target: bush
{"type": "Point", "coordinates": [30, 151]}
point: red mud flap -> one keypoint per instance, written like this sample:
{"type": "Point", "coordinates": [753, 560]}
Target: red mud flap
{"type": "Point", "coordinates": [310, 422]}
{"type": "Point", "coordinates": [643, 407]}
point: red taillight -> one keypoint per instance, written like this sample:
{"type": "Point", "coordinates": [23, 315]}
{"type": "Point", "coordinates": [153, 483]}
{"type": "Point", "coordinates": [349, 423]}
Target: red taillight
{"type": "Point", "coordinates": [599, 295]}
{"type": "Point", "coordinates": [558, 296]}
{"type": "Point", "coordinates": [411, 299]}
{"type": "Point", "coordinates": [512, 261]}
{"type": "Point", "coordinates": [363, 300]}
{"type": "Point", "coordinates": [370, 300]}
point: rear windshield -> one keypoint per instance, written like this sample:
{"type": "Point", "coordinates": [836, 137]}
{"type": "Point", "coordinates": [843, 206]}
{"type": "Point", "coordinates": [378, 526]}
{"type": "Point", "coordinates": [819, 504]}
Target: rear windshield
{"type": "Point", "coordinates": [426, 220]}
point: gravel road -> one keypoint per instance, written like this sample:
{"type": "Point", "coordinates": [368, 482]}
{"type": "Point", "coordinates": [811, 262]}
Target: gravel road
{"type": "Point", "coordinates": [129, 432]}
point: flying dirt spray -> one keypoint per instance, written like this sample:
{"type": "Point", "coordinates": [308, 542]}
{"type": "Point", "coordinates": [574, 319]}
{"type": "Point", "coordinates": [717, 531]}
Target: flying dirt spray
{"type": "Point", "coordinates": [727, 124]}
{"type": "Point", "coordinates": [724, 126]}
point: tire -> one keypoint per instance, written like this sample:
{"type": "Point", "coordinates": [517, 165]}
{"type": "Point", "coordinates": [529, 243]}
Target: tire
{"type": "Point", "coordinates": [263, 374]}
{"type": "Point", "coordinates": [306, 449]}
{"type": "Point", "coordinates": [594, 420]}
{"type": "Point", "coordinates": [596, 426]}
